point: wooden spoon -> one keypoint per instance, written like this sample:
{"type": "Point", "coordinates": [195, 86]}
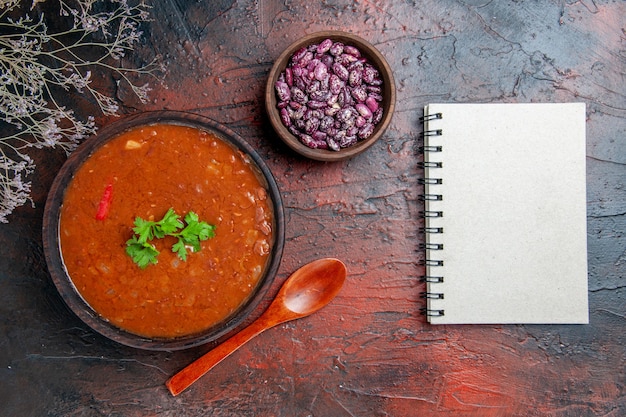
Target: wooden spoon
{"type": "Point", "coordinates": [307, 290]}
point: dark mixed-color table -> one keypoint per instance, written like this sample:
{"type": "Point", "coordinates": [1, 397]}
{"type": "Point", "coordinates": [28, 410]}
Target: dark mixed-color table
{"type": "Point", "coordinates": [370, 352]}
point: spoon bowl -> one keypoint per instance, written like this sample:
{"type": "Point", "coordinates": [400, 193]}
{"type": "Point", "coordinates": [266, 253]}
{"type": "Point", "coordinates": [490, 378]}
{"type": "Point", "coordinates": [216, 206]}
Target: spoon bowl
{"type": "Point", "coordinates": [306, 291]}
{"type": "Point", "coordinates": [312, 286]}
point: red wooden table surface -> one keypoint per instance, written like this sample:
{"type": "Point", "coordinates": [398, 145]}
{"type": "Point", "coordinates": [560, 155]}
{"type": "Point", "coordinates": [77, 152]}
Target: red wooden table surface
{"type": "Point", "coordinates": [370, 352]}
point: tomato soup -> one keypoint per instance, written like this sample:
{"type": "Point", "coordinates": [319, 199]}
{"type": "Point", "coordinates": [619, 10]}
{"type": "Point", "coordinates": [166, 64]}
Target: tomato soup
{"type": "Point", "coordinates": [143, 173]}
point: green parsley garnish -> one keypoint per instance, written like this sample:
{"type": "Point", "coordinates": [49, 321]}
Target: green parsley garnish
{"type": "Point", "coordinates": [189, 234]}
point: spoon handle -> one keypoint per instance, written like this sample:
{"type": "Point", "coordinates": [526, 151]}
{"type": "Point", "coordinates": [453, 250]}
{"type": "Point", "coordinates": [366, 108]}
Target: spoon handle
{"type": "Point", "coordinates": [192, 372]}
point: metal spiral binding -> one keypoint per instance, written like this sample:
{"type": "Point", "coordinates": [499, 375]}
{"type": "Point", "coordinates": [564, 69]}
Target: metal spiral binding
{"type": "Point", "coordinates": [436, 132]}
{"type": "Point", "coordinates": [429, 164]}
{"type": "Point", "coordinates": [432, 295]}
{"type": "Point", "coordinates": [431, 246]}
{"type": "Point", "coordinates": [431, 213]}
{"type": "Point", "coordinates": [430, 181]}
{"type": "Point", "coordinates": [431, 278]}
{"type": "Point", "coordinates": [431, 230]}
{"type": "Point", "coordinates": [429, 196]}
{"type": "Point", "coordinates": [432, 312]}
{"type": "Point", "coordinates": [423, 149]}
{"type": "Point", "coordinates": [434, 116]}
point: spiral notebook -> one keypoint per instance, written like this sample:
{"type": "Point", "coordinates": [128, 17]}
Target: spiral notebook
{"type": "Point", "coordinates": [505, 213]}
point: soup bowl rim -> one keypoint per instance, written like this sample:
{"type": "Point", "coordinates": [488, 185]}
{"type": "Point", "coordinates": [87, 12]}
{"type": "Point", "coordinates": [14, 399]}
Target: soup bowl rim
{"type": "Point", "coordinates": [53, 252]}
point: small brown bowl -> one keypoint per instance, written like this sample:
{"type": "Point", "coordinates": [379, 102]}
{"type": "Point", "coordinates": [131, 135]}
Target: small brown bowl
{"type": "Point", "coordinates": [52, 239]}
{"type": "Point", "coordinates": [388, 92]}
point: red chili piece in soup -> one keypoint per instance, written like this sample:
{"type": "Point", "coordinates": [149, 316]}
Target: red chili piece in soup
{"type": "Point", "coordinates": [148, 170]}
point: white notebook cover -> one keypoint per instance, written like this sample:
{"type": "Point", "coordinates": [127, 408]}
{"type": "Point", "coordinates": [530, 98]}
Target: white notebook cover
{"type": "Point", "coordinates": [513, 213]}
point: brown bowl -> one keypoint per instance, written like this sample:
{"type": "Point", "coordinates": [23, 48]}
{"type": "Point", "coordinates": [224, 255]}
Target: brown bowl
{"type": "Point", "coordinates": [388, 103]}
{"type": "Point", "coordinates": [54, 255]}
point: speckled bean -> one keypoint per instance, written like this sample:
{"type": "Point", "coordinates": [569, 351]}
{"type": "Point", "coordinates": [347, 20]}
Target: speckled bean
{"type": "Point", "coordinates": [282, 91]}
{"type": "Point", "coordinates": [372, 103]}
{"type": "Point", "coordinates": [324, 46]}
{"type": "Point", "coordinates": [349, 49]}
{"type": "Point", "coordinates": [366, 130]}
{"type": "Point", "coordinates": [341, 71]}
{"type": "Point", "coordinates": [284, 117]}
{"type": "Point", "coordinates": [359, 93]}
{"type": "Point", "coordinates": [364, 110]}
{"type": "Point", "coordinates": [336, 49]}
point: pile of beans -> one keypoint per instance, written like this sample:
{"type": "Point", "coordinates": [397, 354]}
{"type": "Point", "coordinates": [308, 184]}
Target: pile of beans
{"type": "Point", "coordinates": [329, 95]}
